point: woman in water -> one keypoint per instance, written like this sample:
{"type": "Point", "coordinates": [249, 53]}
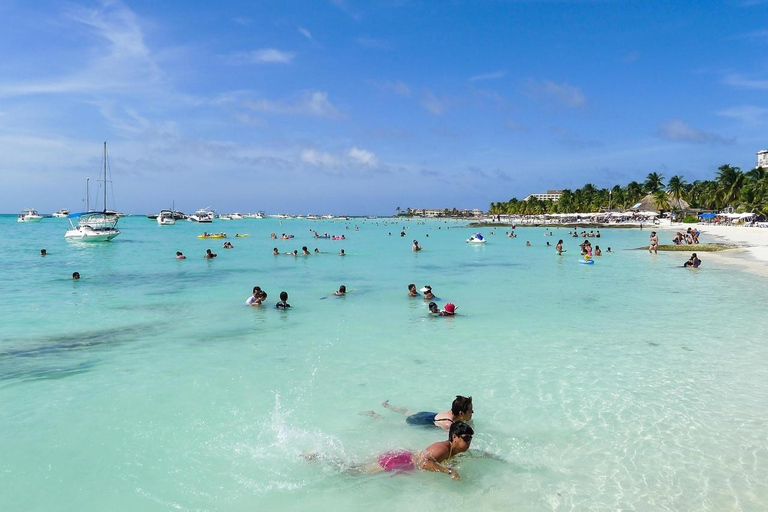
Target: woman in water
{"type": "Point", "coordinates": [432, 458]}
{"type": "Point", "coordinates": [559, 247]}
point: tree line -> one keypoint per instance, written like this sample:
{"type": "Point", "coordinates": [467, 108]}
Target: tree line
{"type": "Point", "coordinates": [743, 191]}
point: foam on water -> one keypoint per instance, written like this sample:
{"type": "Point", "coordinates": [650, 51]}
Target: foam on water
{"type": "Point", "coordinates": [631, 384]}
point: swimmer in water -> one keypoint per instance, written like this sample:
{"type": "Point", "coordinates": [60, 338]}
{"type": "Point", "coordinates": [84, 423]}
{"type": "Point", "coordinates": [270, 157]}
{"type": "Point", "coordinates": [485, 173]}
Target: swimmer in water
{"type": "Point", "coordinates": [412, 291]}
{"type": "Point", "coordinates": [461, 410]}
{"type": "Point", "coordinates": [75, 275]}
{"type": "Point", "coordinates": [283, 304]}
{"type": "Point", "coordinates": [416, 247]}
{"type": "Point", "coordinates": [433, 309]}
{"type": "Point", "coordinates": [209, 255]}
{"type": "Point", "coordinates": [341, 291]}
{"type": "Point", "coordinates": [180, 256]}
{"type": "Point", "coordinates": [427, 291]}
{"type": "Point", "coordinates": [559, 247]}
{"type": "Point", "coordinates": [275, 251]}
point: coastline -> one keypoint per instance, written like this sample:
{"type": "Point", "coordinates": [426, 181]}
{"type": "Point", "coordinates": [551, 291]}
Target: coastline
{"type": "Point", "coordinates": [751, 253]}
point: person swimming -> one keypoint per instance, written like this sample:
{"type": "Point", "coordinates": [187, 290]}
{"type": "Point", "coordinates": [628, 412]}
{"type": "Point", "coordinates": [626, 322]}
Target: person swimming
{"type": "Point", "coordinates": [412, 290]}
{"type": "Point", "coordinates": [461, 410]}
{"type": "Point", "coordinates": [283, 304]}
{"type": "Point", "coordinates": [341, 291]}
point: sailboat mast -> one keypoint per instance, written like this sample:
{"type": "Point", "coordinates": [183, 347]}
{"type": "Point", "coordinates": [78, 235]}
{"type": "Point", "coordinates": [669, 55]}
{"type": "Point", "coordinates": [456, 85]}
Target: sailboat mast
{"type": "Point", "coordinates": [87, 194]}
{"type": "Point", "coordinates": [105, 176]}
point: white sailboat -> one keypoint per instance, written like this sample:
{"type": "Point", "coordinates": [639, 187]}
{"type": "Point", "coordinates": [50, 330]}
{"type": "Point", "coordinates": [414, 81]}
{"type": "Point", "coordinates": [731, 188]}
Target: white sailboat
{"type": "Point", "coordinates": [94, 226]}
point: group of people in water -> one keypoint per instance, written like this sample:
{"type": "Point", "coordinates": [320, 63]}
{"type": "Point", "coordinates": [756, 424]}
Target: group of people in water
{"type": "Point", "coordinates": [448, 310]}
{"type": "Point", "coordinates": [690, 237]}
{"type": "Point", "coordinates": [258, 297]}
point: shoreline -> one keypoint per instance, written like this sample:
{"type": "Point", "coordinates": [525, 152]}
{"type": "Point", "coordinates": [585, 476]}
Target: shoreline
{"type": "Point", "coordinates": [750, 253]}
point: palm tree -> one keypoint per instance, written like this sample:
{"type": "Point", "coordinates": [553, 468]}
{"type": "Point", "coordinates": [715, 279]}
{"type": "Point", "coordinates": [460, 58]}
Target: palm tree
{"type": "Point", "coordinates": [676, 188]}
{"type": "Point", "coordinates": [633, 192]}
{"type": "Point", "coordinates": [729, 181]}
{"type": "Point", "coordinates": [661, 200]}
{"type": "Point", "coordinates": [654, 182]}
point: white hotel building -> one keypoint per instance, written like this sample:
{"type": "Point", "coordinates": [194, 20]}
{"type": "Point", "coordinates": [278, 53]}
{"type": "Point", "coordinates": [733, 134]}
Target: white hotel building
{"type": "Point", "coordinates": [762, 159]}
{"type": "Point", "coordinates": [551, 195]}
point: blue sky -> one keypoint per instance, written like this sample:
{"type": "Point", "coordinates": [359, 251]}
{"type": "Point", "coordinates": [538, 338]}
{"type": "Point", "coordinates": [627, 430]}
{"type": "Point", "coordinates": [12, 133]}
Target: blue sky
{"type": "Point", "coordinates": [361, 106]}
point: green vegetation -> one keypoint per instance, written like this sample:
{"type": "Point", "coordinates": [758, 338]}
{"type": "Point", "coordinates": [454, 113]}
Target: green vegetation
{"type": "Point", "coordinates": [691, 219]}
{"type": "Point", "coordinates": [694, 248]}
{"type": "Point", "coordinates": [745, 192]}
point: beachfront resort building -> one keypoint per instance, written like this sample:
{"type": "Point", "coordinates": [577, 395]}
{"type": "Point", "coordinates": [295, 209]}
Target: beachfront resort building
{"type": "Point", "coordinates": [445, 212]}
{"type": "Point", "coordinates": [551, 195]}
{"type": "Point", "coordinates": [762, 159]}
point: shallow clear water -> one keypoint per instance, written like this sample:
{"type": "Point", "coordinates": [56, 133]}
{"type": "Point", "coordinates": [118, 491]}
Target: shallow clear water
{"type": "Point", "coordinates": [631, 384]}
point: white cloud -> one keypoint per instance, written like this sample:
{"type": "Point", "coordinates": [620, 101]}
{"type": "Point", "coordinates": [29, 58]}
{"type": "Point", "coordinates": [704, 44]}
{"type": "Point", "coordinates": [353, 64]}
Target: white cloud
{"type": "Point", "coordinates": [262, 56]}
{"type": "Point", "coordinates": [362, 156]}
{"type": "Point", "coordinates": [306, 33]}
{"type": "Point", "coordinates": [120, 62]}
{"type": "Point", "coordinates": [743, 82]}
{"type": "Point", "coordinates": [488, 76]}
{"type": "Point", "coordinates": [342, 162]}
{"type": "Point", "coordinates": [318, 158]}
{"type": "Point", "coordinates": [313, 103]}
{"type": "Point", "coordinates": [564, 94]}
{"type": "Point", "coordinates": [432, 103]}
{"type": "Point", "coordinates": [750, 114]}
{"type": "Point", "coordinates": [679, 131]}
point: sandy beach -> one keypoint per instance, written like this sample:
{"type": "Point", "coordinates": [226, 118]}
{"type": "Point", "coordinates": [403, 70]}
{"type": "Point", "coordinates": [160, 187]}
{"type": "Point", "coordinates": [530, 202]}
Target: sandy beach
{"type": "Point", "coordinates": [752, 253]}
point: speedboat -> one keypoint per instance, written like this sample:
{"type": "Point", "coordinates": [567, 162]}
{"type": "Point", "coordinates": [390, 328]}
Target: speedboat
{"type": "Point", "coordinates": [29, 215]}
{"type": "Point", "coordinates": [202, 215]}
{"type": "Point", "coordinates": [236, 216]}
{"type": "Point", "coordinates": [63, 213]}
{"type": "Point", "coordinates": [92, 227]}
{"type": "Point", "coordinates": [477, 238]}
{"type": "Point", "coordinates": [166, 218]}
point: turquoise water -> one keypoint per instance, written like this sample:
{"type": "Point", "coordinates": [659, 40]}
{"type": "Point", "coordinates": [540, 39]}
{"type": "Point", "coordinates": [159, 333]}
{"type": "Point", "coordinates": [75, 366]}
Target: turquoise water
{"type": "Point", "coordinates": [631, 384]}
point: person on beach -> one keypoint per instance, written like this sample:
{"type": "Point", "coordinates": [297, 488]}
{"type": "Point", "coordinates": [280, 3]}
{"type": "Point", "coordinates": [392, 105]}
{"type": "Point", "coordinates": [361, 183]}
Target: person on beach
{"type": "Point", "coordinates": [180, 255]}
{"type": "Point", "coordinates": [283, 304]}
{"type": "Point", "coordinates": [416, 247]}
{"type": "Point", "coordinates": [654, 247]}
{"type": "Point", "coordinates": [209, 255]}
{"type": "Point", "coordinates": [255, 299]}
{"type": "Point", "coordinates": [412, 290]}
{"type": "Point", "coordinates": [75, 275]}
{"type": "Point", "coordinates": [559, 247]}
{"type": "Point", "coordinates": [341, 291]}
{"type": "Point", "coordinates": [461, 411]}
{"type": "Point", "coordinates": [694, 262]}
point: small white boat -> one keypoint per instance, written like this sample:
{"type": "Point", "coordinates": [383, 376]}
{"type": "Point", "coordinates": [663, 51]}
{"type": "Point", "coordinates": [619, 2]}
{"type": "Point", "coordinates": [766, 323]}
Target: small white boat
{"type": "Point", "coordinates": [236, 216]}
{"type": "Point", "coordinates": [202, 215]}
{"type": "Point", "coordinates": [63, 213]}
{"type": "Point", "coordinates": [477, 238]}
{"type": "Point", "coordinates": [166, 218]}
{"type": "Point", "coordinates": [29, 215]}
